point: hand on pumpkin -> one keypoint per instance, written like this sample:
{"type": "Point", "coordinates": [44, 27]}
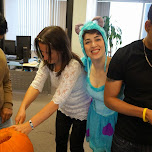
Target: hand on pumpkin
{"type": "Point", "coordinates": [6, 113]}
{"type": "Point", "coordinates": [20, 117]}
{"type": "Point", "coordinates": [23, 128]}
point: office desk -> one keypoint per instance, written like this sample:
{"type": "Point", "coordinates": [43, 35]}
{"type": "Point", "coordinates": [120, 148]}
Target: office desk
{"type": "Point", "coordinates": [32, 64]}
{"type": "Point", "coordinates": [14, 63]}
{"type": "Point", "coordinates": [22, 78]}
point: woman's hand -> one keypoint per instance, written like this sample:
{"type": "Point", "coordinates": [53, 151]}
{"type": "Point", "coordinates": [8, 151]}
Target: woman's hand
{"type": "Point", "coordinates": [20, 117]}
{"type": "Point", "coordinates": [29, 97]}
{"type": "Point", "coordinates": [23, 128]}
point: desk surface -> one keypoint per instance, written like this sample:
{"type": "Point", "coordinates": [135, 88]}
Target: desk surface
{"type": "Point", "coordinates": [31, 63]}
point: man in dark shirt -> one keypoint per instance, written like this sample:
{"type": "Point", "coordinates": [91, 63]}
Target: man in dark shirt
{"type": "Point", "coordinates": [132, 66]}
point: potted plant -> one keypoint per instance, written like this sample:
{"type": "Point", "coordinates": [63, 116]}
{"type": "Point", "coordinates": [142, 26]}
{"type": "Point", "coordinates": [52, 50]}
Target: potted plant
{"type": "Point", "coordinates": [113, 34]}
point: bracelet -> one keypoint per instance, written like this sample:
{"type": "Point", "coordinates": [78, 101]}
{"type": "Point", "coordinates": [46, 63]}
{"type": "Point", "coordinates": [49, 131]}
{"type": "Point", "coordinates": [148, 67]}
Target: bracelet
{"type": "Point", "coordinates": [144, 115]}
{"type": "Point", "coordinates": [31, 124]}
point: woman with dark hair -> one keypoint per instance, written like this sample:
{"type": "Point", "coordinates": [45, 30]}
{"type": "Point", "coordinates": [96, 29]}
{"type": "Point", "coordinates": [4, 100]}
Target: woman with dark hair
{"type": "Point", "coordinates": [101, 120]}
{"type": "Point", "coordinates": [70, 99]}
{"type": "Point", "coordinates": [56, 39]}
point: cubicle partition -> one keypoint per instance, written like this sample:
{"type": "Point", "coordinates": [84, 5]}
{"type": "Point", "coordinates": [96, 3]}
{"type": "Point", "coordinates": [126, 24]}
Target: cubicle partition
{"type": "Point", "coordinates": [21, 80]}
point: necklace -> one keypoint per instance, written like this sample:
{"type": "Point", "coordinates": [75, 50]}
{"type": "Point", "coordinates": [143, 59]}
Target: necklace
{"type": "Point", "coordinates": [146, 56]}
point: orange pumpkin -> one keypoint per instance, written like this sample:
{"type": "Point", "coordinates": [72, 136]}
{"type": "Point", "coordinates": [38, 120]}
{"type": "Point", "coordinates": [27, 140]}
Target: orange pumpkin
{"type": "Point", "coordinates": [14, 141]}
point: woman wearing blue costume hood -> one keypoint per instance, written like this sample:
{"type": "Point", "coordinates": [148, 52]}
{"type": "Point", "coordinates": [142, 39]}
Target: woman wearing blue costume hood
{"type": "Point", "coordinates": [101, 120]}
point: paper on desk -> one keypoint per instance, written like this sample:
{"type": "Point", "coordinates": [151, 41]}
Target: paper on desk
{"type": "Point", "coordinates": [31, 64]}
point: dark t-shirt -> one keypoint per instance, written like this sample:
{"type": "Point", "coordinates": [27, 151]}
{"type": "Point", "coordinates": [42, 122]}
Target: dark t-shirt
{"type": "Point", "coordinates": [129, 64]}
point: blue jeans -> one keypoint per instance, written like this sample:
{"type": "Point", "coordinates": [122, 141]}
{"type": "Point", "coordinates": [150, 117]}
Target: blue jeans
{"type": "Point", "coordinates": [121, 145]}
{"type": "Point", "coordinates": [6, 124]}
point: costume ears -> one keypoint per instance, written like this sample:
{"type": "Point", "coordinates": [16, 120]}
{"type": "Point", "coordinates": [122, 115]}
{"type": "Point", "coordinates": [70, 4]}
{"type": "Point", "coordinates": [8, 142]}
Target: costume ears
{"type": "Point", "coordinates": [98, 18]}
{"type": "Point", "coordinates": [77, 28]}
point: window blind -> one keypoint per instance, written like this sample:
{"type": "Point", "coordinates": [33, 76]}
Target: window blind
{"type": "Point", "coordinates": [29, 17]}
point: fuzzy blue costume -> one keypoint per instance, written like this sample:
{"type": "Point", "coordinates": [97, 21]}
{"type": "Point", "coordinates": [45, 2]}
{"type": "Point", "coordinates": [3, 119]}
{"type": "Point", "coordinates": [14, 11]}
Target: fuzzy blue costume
{"type": "Point", "coordinates": [101, 120]}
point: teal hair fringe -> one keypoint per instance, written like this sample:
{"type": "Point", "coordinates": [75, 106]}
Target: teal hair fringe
{"type": "Point", "coordinates": [90, 26]}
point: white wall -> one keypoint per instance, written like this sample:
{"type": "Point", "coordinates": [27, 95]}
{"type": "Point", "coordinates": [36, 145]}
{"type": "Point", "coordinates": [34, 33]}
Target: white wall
{"type": "Point", "coordinates": [91, 9]}
{"type": "Point", "coordinates": [83, 10]}
{"type": "Point", "coordinates": [79, 16]}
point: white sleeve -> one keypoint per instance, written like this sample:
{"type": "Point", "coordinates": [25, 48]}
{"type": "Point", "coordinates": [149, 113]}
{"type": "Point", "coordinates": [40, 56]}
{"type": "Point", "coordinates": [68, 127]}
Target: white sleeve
{"type": "Point", "coordinates": [68, 79]}
{"type": "Point", "coordinates": [40, 78]}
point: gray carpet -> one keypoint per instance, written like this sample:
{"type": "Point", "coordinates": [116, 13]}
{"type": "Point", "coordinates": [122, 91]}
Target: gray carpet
{"type": "Point", "coordinates": [43, 136]}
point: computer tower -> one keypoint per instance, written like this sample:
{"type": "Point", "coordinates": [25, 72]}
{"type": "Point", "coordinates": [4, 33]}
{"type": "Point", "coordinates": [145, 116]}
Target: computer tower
{"type": "Point", "coordinates": [21, 42]}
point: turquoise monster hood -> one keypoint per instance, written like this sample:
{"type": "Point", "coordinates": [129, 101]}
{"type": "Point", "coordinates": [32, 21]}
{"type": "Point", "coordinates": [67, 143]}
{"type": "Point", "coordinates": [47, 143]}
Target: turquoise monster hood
{"type": "Point", "coordinates": [89, 26]}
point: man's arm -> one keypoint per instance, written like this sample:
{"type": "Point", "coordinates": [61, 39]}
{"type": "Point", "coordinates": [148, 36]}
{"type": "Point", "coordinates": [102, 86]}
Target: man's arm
{"type": "Point", "coordinates": [112, 89]}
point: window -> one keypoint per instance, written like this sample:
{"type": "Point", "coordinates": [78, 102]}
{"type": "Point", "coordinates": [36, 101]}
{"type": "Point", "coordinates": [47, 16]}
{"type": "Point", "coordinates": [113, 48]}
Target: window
{"type": "Point", "coordinates": [130, 16]}
{"type": "Point", "coordinates": [124, 16]}
{"type": "Point", "coordinates": [29, 17]}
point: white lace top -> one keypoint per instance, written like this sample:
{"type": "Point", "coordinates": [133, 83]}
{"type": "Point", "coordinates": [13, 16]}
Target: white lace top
{"type": "Point", "coordinates": [70, 94]}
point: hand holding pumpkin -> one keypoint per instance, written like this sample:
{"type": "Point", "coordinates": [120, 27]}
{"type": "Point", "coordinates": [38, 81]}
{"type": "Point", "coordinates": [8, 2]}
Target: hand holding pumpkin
{"type": "Point", "coordinates": [23, 128]}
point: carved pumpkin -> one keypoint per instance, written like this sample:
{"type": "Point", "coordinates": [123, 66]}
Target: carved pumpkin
{"type": "Point", "coordinates": [14, 141]}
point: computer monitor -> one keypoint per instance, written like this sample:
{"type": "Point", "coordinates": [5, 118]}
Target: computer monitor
{"type": "Point", "coordinates": [22, 42]}
{"type": "Point", "coordinates": [9, 47]}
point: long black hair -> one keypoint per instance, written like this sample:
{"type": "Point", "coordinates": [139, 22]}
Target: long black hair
{"type": "Point", "coordinates": [56, 38]}
{"type": "Point", "coordinates": [3, 25]}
